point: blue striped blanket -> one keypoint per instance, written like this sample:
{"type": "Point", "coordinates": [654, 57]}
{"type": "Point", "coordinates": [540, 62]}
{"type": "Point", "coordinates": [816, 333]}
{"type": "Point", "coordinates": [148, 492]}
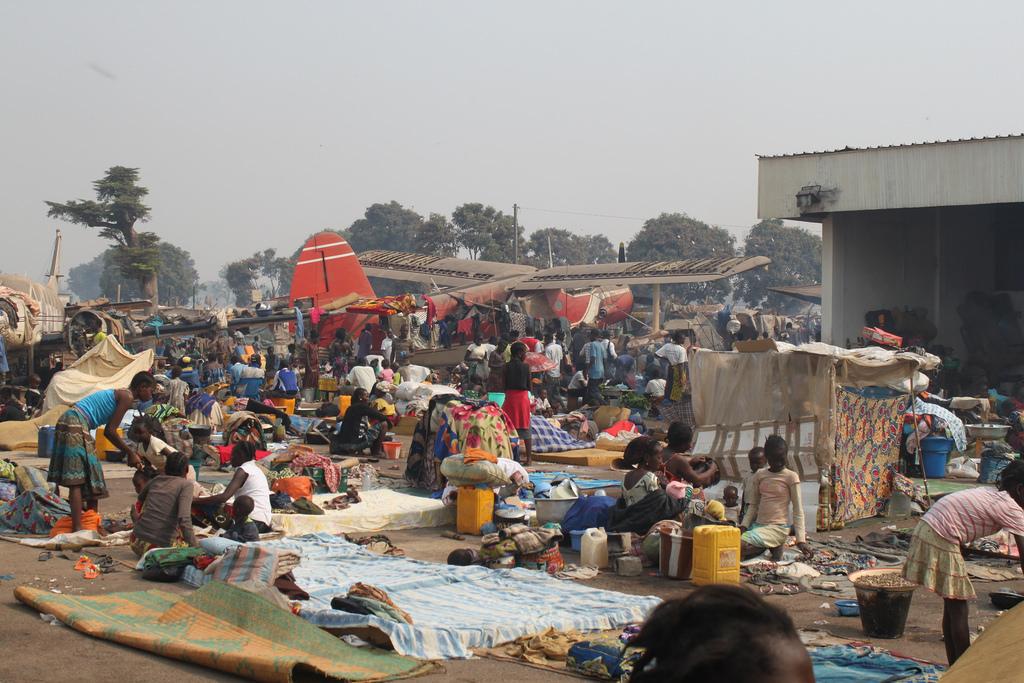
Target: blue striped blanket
{"type": "Point", "coordinates": [547, 438]}
{"type": "Point", "coordinates": [454, 609]}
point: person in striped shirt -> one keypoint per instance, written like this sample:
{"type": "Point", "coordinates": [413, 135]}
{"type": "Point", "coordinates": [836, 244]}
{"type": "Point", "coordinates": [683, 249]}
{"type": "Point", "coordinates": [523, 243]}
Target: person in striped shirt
{"type": "Point", "coordinates": [935, 560]}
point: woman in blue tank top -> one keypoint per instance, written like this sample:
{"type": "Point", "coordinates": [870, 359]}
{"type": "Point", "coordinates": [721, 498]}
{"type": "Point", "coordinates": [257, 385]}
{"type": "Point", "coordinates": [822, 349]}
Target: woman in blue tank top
{"type": "Point", "coordinates": [74, 463]}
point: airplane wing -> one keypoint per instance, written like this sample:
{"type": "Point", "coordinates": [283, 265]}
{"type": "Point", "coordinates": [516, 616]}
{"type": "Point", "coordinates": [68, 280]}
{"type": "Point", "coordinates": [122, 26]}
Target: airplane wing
{"type": "Point", "coordinates": [809, 293]}
{"type": "Point", "coordinates": [639, 273]}
{"type": "Point", "coordinates": [398, 265]}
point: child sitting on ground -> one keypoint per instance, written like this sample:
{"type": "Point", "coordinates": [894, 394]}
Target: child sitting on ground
{"type": "Point", "coordinates": [242, 528]}
{"type": "Point", "coordinates": [148, 433]}
{"type": "Point", "coordinates": [731, 501]}
{"type": "Point", "coordinates": [757, 461]}
{"type": "Point", "coordinates": [772, 494]}
{"type": "Point", "coordinates": [141, 478]}
{"type": "Point", "coordinates": [541, 404]}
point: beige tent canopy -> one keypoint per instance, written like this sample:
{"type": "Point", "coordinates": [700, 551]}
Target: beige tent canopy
{"type": "Point", "coordinates": [733, 388]}
{"type": "Point", "coordinates": [105, 366]}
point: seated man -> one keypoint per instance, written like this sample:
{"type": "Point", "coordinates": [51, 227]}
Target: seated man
{"type": "Point", "coordinates": [249, 372]}
{"type": "Point", "coordinates": [11, 406]}
{"type": "Point", "coordinates": [188, 373]}
{"type": "Point", "coordinates": [286, 384]}
{"type": "Point", "coordinates": [655, 389]}
{"type": "Point", "coordinates": [355, 433]}
{"type": "Point", "coordinates": [213, 371]}
{"type": "Point", "coordinates": [163, 519]}
{"type": "Point", "coordinates": [576, 389]}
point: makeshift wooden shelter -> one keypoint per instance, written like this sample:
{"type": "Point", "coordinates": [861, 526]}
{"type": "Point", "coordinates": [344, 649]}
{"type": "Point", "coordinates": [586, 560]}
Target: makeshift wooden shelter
{"type": "Point", "coordinates": [841, 411]}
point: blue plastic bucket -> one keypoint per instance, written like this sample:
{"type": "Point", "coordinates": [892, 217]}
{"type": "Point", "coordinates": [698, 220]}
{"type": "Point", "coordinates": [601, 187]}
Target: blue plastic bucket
{"type": "Point", "coordinates": [577, 539]}
{"type": "Point", "coordinates": [934, 455]}
{"type": "Point", "coordinates": [992, 465]}
{"type": "Point", "coordinates": [44, 446]}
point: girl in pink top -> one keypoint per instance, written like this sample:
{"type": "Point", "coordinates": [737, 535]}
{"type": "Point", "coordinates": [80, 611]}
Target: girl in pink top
{"type": "Point", "coordinates": [935, 561]}
{"type": "Point", "coordinates": [386, 373]}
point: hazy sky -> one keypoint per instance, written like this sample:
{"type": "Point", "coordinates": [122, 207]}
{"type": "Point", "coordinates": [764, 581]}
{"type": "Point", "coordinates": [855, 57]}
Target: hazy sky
{"type": "Point", "coordinates": [255, 124]}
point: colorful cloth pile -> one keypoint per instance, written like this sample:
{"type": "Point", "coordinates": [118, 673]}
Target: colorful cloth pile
{"type": "Point", "coordinates": [384, 305]}
{"type": "Point", "coordinates": [34, 511]}
{"type": "Point", "coordinates": [473, 425]}
{"type": "Point", "coordinates": [332, 477]}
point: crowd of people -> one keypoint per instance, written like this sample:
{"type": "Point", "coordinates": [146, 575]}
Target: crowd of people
{"type": "Point", "coordinates": [569, 371]}
{"type": "Point", "coordinates": [548, 374]}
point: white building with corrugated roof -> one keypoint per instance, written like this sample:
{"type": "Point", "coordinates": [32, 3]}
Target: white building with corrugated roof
{"type": "Point", "coordinates": [909, 226]}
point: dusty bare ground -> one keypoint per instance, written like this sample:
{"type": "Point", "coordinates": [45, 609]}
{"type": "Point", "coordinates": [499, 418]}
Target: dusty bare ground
{"type": "Point", "coordinates": [34, 650]}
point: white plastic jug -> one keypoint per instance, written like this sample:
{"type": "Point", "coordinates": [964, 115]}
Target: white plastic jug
{"type": "Point", "coordinates": [594, 549]}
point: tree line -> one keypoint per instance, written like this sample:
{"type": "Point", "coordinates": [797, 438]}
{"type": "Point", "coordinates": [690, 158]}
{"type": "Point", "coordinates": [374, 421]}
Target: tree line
{"type": "Point", "coordinates": [139, 259]}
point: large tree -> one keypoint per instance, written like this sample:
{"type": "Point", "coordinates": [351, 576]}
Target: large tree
{"type": "Point", "coordinates": [277, 272]}
{"type": "Point", "coordinates": [567, 248]}
{"type": "Point", "coordinates": [241, 276]}
{"type": "Point", "coordinates": [385, 226]}
{"type": "Point", "coordinates": [676, 236]}
{"type": "Point", "coordinates": [116, 211]}
{"type": "Point", "coordinates": [796, 261]}
{"type": "Point", "coordinates": [486, 233]}
{"type": "Point", "coordinates": [264, 271]}
{"type": "Point", "coordinates": [102, 275]}
{"type": "Point", "coordinates": [436, 236]}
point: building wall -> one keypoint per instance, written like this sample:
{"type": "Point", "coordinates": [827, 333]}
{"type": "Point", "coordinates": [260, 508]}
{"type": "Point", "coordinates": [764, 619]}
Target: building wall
{"type": "Point", "coordinates": [930, 175]}
{"type": "Point", "coordinates": [920, 258]}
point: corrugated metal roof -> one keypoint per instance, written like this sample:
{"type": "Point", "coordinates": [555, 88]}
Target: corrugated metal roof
{"type": "Point", "coordinates": [640, 273]}
{"type": "Point", "coordinates": [808, 293]}
{"type": "Point", "coordinates": [906, 144]}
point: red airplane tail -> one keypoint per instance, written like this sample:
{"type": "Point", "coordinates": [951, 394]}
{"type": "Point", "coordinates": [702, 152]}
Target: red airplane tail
{"type": "Point", "coordinates": [328, 269]}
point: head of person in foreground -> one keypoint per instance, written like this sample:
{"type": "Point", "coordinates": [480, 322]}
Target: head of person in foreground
{"type": "Point", "coordinates": [720, 633]}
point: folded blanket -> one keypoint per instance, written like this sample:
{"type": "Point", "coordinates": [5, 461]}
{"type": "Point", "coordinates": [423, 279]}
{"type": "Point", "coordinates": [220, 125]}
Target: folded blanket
{"type": "Point", "coordinates": [645, 513]}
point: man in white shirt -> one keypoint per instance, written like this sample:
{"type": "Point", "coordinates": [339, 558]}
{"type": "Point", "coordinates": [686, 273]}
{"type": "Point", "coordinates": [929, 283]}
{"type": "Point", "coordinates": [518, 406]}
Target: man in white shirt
{"type": "Point", "coordinates": [386, 345]}
{"type": "Point", "coordinates": [655, 387]}
{"type": "Point", "coordinates": [363, 377]}
{"type": "Point", "coordinates": [414, 373]}
{"type": "Point", "coordinates": [552, 378]}
{"type": "Point", "coordinates": [476, 359]}
{"type": "Point", "coordinates": [577, 388]}
{"type": "Point", "coordinates": [673, 351]}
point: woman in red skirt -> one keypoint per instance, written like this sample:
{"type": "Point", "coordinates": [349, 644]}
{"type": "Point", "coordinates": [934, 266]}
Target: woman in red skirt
{"type": "Point", "coordinates": [517, 397]}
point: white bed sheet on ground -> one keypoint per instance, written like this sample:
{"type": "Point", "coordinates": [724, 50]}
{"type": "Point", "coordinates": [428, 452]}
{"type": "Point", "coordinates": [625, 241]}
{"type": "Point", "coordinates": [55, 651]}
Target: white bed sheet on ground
{"type": "Point", "coordinates": [380, 510]}
{"type": "Point", "coordinates": [454, 609]}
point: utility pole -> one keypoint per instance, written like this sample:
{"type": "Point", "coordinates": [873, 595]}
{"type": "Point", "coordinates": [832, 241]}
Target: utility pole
{"type": "Point", "coordinates": [515, 229]}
